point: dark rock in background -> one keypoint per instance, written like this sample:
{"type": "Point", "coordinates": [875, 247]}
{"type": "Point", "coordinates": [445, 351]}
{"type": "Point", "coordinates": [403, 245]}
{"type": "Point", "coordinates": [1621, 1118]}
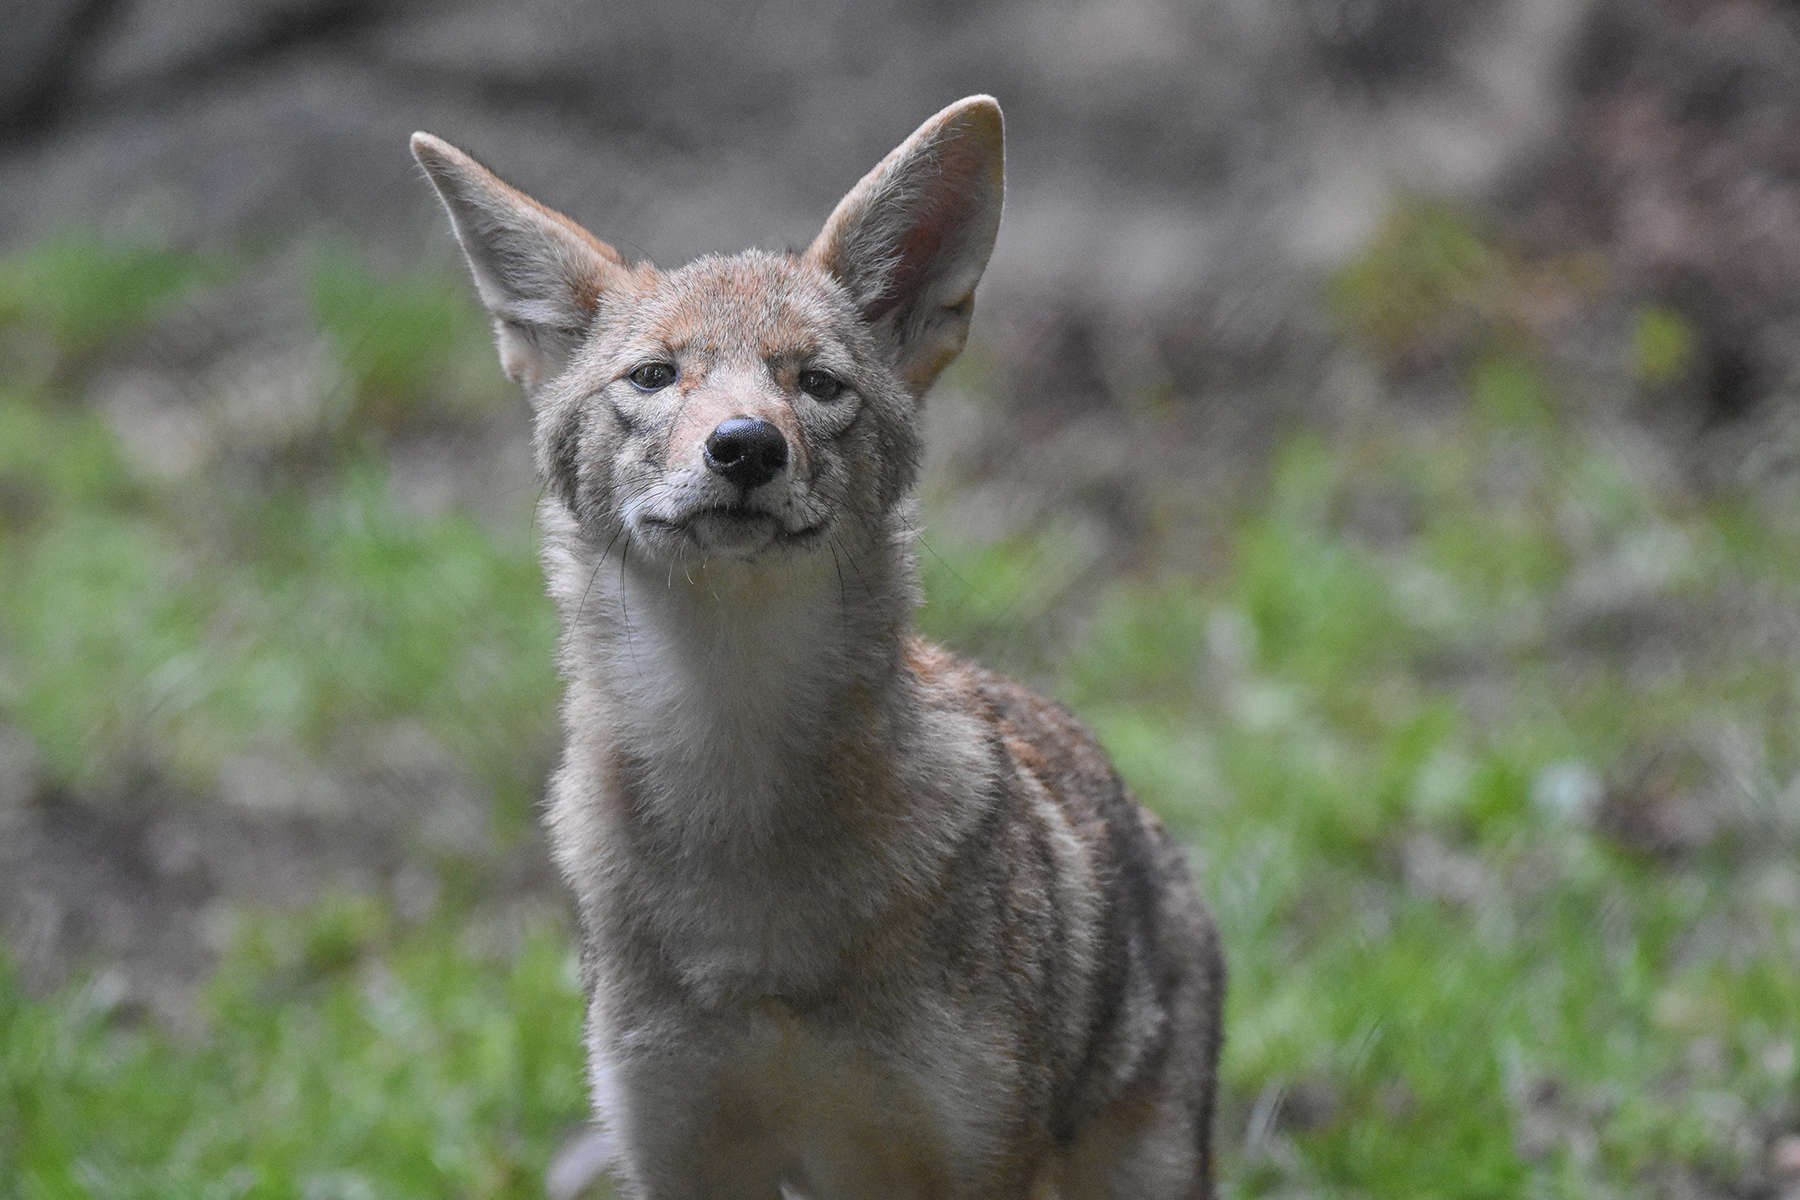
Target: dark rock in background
{"type": "Point", "coordinates": [1152, 143]}
{"type": "Point", "coordinates": [1678, 164]}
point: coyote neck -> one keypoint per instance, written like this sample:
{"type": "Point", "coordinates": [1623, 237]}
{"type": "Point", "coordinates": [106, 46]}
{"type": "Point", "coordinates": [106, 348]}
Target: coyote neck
{"type": "Point", "coordinates": [730, 683]}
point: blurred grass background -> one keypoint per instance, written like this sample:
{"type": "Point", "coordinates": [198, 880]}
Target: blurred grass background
{"type": "Point", "coordinates": [1507, 883]}
{"type": "Point", "coordinates": [1462, 644]}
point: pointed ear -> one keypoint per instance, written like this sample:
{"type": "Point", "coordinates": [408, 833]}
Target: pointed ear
{"type": "Point", "coordinates": [539, 273]}
{"type": "Point", "coordinates": [911, 240]}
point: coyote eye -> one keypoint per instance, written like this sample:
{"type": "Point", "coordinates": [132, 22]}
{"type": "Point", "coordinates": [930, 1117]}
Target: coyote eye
{"type": "Point", "coordinates": [652, 376]}
{"type": "Point", "coordinates": [822, 386]}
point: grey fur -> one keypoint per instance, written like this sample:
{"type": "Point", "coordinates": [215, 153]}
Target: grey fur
{"type": "Point", "coordinates": [858, 919]}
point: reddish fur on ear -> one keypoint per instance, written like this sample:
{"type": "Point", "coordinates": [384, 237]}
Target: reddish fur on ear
{"type": "Point", "coordinates": [911, 239]}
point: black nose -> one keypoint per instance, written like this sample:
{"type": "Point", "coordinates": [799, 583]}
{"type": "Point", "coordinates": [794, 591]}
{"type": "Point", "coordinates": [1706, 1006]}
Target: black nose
{"type": "Point", "coordinates": [746, 450]}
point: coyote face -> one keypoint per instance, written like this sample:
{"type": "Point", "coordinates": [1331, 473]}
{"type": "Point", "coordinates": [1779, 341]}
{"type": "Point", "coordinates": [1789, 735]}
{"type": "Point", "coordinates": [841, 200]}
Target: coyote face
{"type": "Point", "coordinates": [733, 408]}
{"type": "Point", "coordinates": [858, 919]}
{"type": "Point", "coordinates": [747, 405]}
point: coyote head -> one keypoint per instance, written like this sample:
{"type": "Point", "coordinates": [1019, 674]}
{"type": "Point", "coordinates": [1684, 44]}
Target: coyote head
{"type": "Point", "coordinates": [742, 406]}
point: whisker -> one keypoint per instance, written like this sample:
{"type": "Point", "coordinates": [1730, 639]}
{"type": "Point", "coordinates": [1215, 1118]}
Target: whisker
{"type": "Point", "coordinates": [598, 562]}
{"type": "Point", "coordinates": [830, 496]}
{"type": "Point", "coordinates": [932, 550]}
{"type": "Point", "coordinates": [624, 609]}
{"type": "Point", "coordinates": [843, 601]}
{"type": "Point", "coordinates": [531, 519]}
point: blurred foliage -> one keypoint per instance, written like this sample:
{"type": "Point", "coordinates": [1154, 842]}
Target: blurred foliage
{"type": "Point", "coordinates": [345, 1056]}
{"type": "Point", "coordinates": [1662, 346]}
{"type": "Point", "coordinates": [1510, 390]}
{"type": "Point", "coordinates": [1428, 273]}
{"type": "Point", "coordinates": [411, 347]}
{"type": "Point", "coordinates": [1395, 727]}
{"type": "Point", "coordinates": [141, 629]}
{"type": "Point", "coordinates": [78, 292]}
{"type": "Point", "coordinates": [183, 623]}
{"type": "Point", "coordinates": [1447, 979]}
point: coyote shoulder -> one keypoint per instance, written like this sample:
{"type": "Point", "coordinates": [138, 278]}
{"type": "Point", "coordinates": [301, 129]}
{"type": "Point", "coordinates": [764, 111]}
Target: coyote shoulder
{"type": "Point", "coordinates": [858, 919]}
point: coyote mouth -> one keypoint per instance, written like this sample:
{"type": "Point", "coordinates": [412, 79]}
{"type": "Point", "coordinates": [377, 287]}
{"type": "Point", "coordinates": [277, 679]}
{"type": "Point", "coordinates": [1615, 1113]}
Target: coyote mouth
{"type": "Point", "coordinates": [733, 527]}
{"type": "Point", "coordinates": [733, 512]}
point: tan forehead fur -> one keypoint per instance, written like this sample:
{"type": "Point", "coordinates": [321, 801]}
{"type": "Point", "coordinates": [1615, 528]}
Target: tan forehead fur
{"type": "Point", "coordinates": [754, 304]}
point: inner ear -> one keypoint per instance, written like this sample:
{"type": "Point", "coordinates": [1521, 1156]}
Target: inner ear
{"type": "Point", "coordinates": [540, 274]}
{"type": "Point", "coordinates": [910, 241]}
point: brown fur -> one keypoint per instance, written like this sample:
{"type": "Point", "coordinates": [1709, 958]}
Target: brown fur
{"type": "Point", "coordinates": [859, 919]}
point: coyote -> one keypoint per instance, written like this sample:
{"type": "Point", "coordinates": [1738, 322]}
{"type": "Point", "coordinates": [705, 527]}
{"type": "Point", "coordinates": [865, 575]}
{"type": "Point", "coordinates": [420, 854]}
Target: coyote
{"type": "Point", "coordinates": [858, 919]}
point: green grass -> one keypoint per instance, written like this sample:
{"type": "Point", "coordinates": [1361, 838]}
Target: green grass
{"type": "Point", "coordinates": [1442, 984]}
{"type": "Point", "coordinates": [143, 625]}
{"type": "Point", "coordinates": [1429, 275]}
{"type": "Point", "coordinates": [75, 293]}
{"type": "Point", "coordinates": [1662, 346]}
{"type": "Point", "coordinates": [1446, 981]}
{"type": "Point", "coordinates": [343, 1056]}
{"type": "Point", "coordinates": [261, 605]}
{"type": "Point", "coordinates": [411, 348]}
